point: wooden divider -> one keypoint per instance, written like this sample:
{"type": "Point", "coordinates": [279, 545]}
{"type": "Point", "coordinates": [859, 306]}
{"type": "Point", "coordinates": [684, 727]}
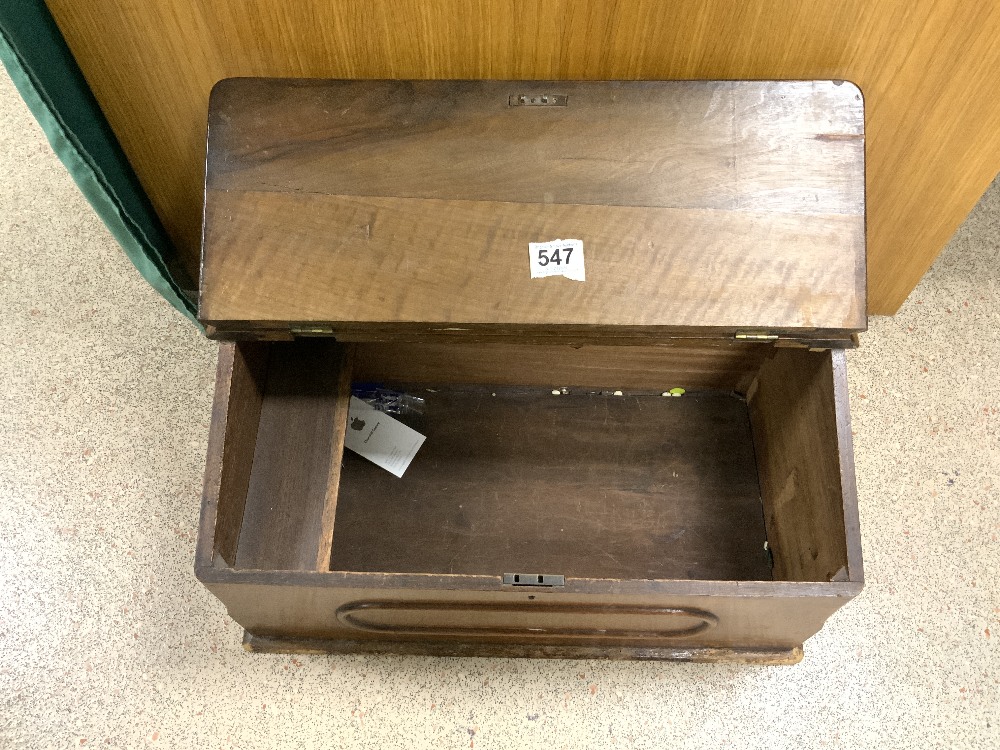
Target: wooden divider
{"type": "Point", "coordinates": [287, 523]}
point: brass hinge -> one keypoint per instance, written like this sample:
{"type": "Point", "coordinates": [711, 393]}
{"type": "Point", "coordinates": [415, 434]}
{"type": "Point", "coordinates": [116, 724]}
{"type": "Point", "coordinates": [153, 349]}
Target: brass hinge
{"type": "Point", "coordinates": [756, 336]}
{"type": "Point", "coordinates": [312, 330]}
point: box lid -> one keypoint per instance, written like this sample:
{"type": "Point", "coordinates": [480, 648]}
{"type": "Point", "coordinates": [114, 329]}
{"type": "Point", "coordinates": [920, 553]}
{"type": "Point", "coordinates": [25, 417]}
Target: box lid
{"type": "Point", "coordinates": [368, 209]}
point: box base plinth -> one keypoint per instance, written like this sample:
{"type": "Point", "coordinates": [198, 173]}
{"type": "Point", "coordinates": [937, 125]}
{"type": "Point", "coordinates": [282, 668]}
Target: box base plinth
{"type": "Point", "coordinates": [263, 644]}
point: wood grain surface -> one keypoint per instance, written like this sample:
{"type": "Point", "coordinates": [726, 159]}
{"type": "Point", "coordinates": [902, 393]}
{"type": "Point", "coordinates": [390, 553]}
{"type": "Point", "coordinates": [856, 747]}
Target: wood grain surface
{"type": "Point", "coordinates": [927, 69]}
{"type": "Point", "coordinates": [751, 614]}
{"type": "Point", "coordinates": [718, 365]}
{"type": "Point", "coordinates": [588, 486]}
{"type": "Point", "coordinates": [280, 596]}
{"type": "Point", "coordinates": [385, 203]}
{"type": "Point", "coordinates": [236, 416]}
{"type": "Point", "coordinates": [261, 644]}
{"type": "Point", "coordinates": [768, 146]}
{"type": "Point", "coordinates": [302, 420]}
{"type": "Point", "coordinates": [794, 414]}
{"type": "Point", "coordinates": [341, 404]}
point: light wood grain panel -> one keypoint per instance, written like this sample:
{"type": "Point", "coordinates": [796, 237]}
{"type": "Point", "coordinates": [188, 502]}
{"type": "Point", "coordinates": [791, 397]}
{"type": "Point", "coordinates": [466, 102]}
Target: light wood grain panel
{"type": "Point", "coordinates": [927, 68]}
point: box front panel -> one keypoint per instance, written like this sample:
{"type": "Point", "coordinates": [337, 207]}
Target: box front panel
{"type": "Point", "coordinates": [655, 619]}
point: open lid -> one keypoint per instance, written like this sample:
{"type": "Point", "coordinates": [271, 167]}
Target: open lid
{"type": "Point", "coordinates": [372, 209]}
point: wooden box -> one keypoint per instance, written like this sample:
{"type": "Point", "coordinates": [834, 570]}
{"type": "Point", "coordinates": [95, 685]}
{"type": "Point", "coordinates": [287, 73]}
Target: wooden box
{"type": "Point", "coordinates": [567, 501]}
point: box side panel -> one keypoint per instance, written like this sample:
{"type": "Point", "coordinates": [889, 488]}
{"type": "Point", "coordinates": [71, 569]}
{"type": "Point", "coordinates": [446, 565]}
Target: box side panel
{"type": "Point", "coordinates": [232, 438]}
{"type": "Point", "coordinates": [795, 420]}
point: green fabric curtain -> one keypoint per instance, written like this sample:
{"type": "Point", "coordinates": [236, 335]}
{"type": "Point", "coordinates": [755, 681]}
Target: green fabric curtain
{"type": "Point", "coordinates": [48, 78]}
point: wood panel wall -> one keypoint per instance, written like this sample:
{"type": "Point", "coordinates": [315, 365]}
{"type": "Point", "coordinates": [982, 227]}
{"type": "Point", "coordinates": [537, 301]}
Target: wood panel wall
{"type": "Point", "coordinates": [929, 70]}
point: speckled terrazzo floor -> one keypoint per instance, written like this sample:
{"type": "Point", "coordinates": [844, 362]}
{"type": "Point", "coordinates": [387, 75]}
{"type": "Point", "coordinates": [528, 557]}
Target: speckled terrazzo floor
{"type": "Point", "coordinates": [107, 639]}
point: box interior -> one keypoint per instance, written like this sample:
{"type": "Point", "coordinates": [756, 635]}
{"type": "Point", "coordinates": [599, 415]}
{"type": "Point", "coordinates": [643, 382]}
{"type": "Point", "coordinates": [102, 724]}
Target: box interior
{"type": "Point", "coordinates": [582, 484]}
{"type": "Point", "coordinates": [539, 459]}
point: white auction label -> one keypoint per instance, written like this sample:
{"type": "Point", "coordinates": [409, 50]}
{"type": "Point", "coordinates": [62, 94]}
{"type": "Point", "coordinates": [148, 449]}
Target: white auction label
{"type": "Point", "coordinates": [556, 258]}
{"type": "Point", "coordinates": [384, 441]}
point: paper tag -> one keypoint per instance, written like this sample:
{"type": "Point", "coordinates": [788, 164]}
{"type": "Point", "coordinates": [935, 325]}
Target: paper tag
{"type": "Point", "coordinates": [556, 258]}
{"type": "Point", "coordinates": [384, 441]}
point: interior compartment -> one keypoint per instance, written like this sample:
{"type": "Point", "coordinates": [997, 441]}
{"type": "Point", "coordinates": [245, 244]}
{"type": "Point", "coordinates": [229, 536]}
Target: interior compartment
{"type": "Point", "coordinates": [606, 478]}
{"type": "Point", "coordinates": [518, 480]}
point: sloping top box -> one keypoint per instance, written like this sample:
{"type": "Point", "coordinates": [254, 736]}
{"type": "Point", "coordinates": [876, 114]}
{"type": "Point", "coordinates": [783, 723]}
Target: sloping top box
{"type": "Point", "coordinates": [688, 496]}
{"type": "Point", "coordinates": [380, 209]}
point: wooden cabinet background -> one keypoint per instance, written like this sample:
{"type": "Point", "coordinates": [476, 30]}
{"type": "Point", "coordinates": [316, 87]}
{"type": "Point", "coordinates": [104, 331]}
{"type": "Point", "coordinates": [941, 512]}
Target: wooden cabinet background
{"type": "Point", "coordinates": [929, 70]}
